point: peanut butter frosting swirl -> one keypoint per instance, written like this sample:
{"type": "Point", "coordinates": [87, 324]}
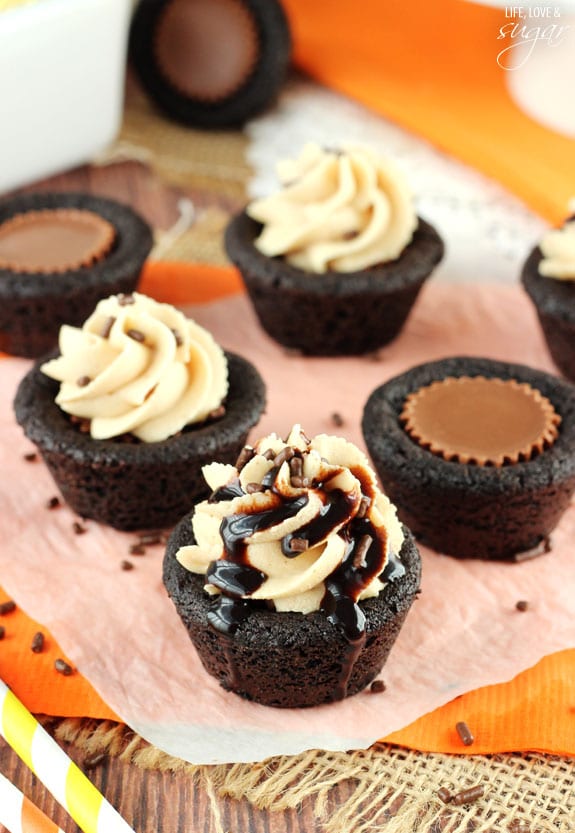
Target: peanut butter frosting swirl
{"type": "Point", "coordinates": [558, 249]}
{"type": "Point", "coordinates": [299, 525]}
{"type": "Point", "coordinates": [137, 366]}
{"type": "Point", "coordinates": [481, 421]}
{"type": "Point", "coordinates": [342, 211]}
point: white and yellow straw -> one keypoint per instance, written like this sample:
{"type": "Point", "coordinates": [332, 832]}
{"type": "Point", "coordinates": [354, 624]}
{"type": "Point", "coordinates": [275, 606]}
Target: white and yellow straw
{"type": "Point", "coordinates": [60, 775]}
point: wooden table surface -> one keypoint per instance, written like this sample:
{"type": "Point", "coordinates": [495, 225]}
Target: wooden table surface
{"type": "Point", "coordinates": [152, 802]}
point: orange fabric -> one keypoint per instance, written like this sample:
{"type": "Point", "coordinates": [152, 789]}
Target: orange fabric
{"type": "Point", "coordinates": [432, 68]}
{"type": "Point", "coordinates": [533, 711]}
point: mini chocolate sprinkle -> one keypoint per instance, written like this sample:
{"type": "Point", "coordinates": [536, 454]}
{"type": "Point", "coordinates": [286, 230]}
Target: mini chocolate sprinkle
{"type": "Point", "coordinates": [83, 381]}
{"type": "Point", "coordinates": [137, 549]}
{"type": "Point", "coordinates": [62, 667]}
{"type": "Point", "coordinates": [364, 505]}
{"type": "Point", "coordinates": [136, 335]}
{"type": "Point", "coordinates": [218, 413]}
{"type": "Point", "coordinates": [94, 760]}
{"type": "Point", "coordinates": [284, 455]}
{"type": "Point", "coordinates": [2, 632]}
{"type": "Point", "coordinates": [245, 456]}
{"type": "Point", "coordinates": [7, 607]}
{"type": "Point", "coordinates": [53, 503]}
{"type": "Point", "coordinates": [149, 539]}
{"type": "Point", "coordinates": [269, 454]}
{"type": "Point", "coordinates": [179, 340]}
{"type": "Point", "coordinates": [444, 795]}
{"type": "Point", "coordinates": [464, 733]}
{"type": "Point", "coordinates": [296, 467]}
{"type": "Point", "coordinates": [31, 457]}
{"type": "Point", "coordinates": [107, 328]}
{"type": "Point", "coordinates": [125, 300]}
{"type": "Point", "coordinates": [300, 482]}
{"type": "Point", "coordinates": [468, 796]}
{"type": "Point", "coordinates": [37, 645]}
{"type": "Point", "coordinates": [78, 528]}
{"type": "Point", "coordinates": [251, 488]}
{"type": "Point", "coordinates": [337, 419]}
{"type": "Point", "coordinates": [126, 565]}
{"type": "Point", "coordinates": [361, 549]}
{"type": "Point", "coordinates": [298, 544]}
{"type": "Point", "coordinates": [522, 605]}
{"type": "Point", "coordinates": [377, 687]}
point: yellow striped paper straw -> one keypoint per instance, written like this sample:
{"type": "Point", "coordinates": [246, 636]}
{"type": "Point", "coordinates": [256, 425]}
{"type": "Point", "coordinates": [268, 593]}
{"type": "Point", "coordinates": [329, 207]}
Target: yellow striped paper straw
{"type": "Point", "coordinates": [19, 815]}
{"type": "Point", "coordinates": [60, 775]}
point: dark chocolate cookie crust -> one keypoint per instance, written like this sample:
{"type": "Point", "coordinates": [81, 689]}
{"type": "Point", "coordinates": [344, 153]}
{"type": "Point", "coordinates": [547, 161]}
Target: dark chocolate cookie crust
{"type": "Point", "coordinates": [288, 660]}
{"type": "Point", "coordinates": [334, 313]}
{"type": "Point", "coordinates": [140, 485]}
{"type": "Point", "coordinates": [34, 306]}
{"type": "Point", "coordinates": [465, 510]}
{"type": "Point", "coordinates": [554, 301]}
{"type": "Point", "coordinates": [257, 91]}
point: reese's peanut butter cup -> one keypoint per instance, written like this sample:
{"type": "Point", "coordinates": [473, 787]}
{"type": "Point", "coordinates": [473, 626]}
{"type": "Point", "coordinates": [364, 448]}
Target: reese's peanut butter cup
{"type": "Point", "coordinates": [488, 422]}
{"type": "Point", "coordinates": [54, 240]}
{"type": "Point", "coordinates": [210, 63]}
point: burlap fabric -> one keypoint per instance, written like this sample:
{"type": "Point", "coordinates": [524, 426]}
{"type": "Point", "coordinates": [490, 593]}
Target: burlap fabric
{"type": "Point", "coordinates": [382, 788]}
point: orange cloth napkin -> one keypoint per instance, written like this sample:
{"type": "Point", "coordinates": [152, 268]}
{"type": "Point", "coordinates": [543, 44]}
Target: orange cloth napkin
{"type": "Point", "coordinates": [432, 67]}
{"type": "Point", "coordinates": [533, 711]}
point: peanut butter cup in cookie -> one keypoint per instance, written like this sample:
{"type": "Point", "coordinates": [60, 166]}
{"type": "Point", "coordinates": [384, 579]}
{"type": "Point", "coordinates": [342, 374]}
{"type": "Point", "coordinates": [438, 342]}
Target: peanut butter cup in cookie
{"type": "Point", "coordinates": [478, 455]}
{"type": "Point", "coordinates": [334, 262]}
{"type": "Point", "coordinates": [59, 255]}
{"type": "Point", "coordinates": [548, 277]}
{"type": "Point", "coordinates": [136, 402]}
{"type": "Point", "coordinates": [210, 63]}
{"type": "Point", "coordinates": [295, 576]}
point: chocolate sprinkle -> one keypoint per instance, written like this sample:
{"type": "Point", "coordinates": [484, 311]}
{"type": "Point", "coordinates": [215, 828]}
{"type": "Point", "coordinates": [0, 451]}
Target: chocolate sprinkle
{"type": "Point", "coordinates": [377, 687]}
{"type": "Point", "coordinates": [2, 632]}
{"type": "Point", "coordinates": [136, 335]}
{"type": "Point", "coordinates": [62, 667]}
{"type": "Point", "coordinates": [269, 454]}
{"type": "Point", "coordinates": [83, 381]}
{"type": "Point", "coordinates": [37, 645]}
{"type": "Point", "coordinates": [53, 503]}
{"type": "Point", "coordinates": [126, 565]}
{"type": "Point", "coordinates": [522, 605]}
{"type": "Point", "coordinates": [444, 795]}
{"type": "Point", "coordinates": [285, 454]}
{"type": "Point", "coordinates": [337, 419]}
{"type": "Point", "coordinates": [94, 760]}
{"type": "Point", "coordinates": [464, 733]}
{"type": "Point", "coordinates": [78, 528]}
{"type": "Point", "coordinates": [107, 328]}
{"type": "Point", "coordinates": [296, 467]}
{"type": "Point", "coordinates": [298, 545]}
{"type": "Point", "coordinates": [245, 456]}
{"type": "Point", "coordinates": [7, 607]}
{"type": "Point", "coordinates": [468, 796]}
{"type": "Point", "coordinates": [360, 552]}
{"type": "Point", "coordinates": [364, 505]}
{"type": "Point", "coordinates": [31, 457]}
{"type": "Point", "coordinates": [136, 549]}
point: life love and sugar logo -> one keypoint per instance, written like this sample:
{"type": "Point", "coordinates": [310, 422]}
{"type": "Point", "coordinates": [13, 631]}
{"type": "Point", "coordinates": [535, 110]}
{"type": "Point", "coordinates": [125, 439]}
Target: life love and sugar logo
{"type": "Point", "coordinates": [528, 28]}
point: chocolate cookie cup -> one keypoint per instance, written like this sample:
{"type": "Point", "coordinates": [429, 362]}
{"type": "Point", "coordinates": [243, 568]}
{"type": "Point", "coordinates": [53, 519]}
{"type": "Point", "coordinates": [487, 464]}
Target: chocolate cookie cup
{"type": "Point", "coordinates": [554, 302]}
{"type": "Point", "coordinates": [336, 313]}
{"type": "Point", "coordinates": [289, 659]}
{"type": "Point", "coordinates": [132, 486]}
{"type": "Point", "coordinates": [210, 63]}
{"type": "Point", "coordinates": [497, 510]}
{"type": "Point", "coordinates": [59, 255]}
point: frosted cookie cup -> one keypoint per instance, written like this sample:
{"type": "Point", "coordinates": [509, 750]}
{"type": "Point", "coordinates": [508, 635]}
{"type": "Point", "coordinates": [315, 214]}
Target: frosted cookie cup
{"type": "Point", "coordinates": [139, 399]}
{"type": "Point", "coordinates": [334, 263]}
{"type": "Point", "coordinates": [294, 578]}
{"type": "Point", "coordinates": [548, 277]}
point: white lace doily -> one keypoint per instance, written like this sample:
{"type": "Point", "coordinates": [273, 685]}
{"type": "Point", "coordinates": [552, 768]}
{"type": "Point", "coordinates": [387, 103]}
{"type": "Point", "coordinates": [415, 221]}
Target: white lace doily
{"type": "Point", "coordinates": [488, 232]}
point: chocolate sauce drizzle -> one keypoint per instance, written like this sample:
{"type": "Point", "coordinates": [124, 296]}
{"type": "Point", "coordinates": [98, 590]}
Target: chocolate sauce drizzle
{"type": "Point", "coordinates": [364, 560]}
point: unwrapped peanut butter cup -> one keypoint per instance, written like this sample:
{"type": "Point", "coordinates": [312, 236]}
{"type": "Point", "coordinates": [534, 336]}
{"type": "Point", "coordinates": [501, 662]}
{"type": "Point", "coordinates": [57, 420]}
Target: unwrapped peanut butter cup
{"type": "Point", "coordinates": [210, 63]}
{"type": "Point", "coordinates": [54, 240]}
{"type": "Point", "coordinates": [478, 420]}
